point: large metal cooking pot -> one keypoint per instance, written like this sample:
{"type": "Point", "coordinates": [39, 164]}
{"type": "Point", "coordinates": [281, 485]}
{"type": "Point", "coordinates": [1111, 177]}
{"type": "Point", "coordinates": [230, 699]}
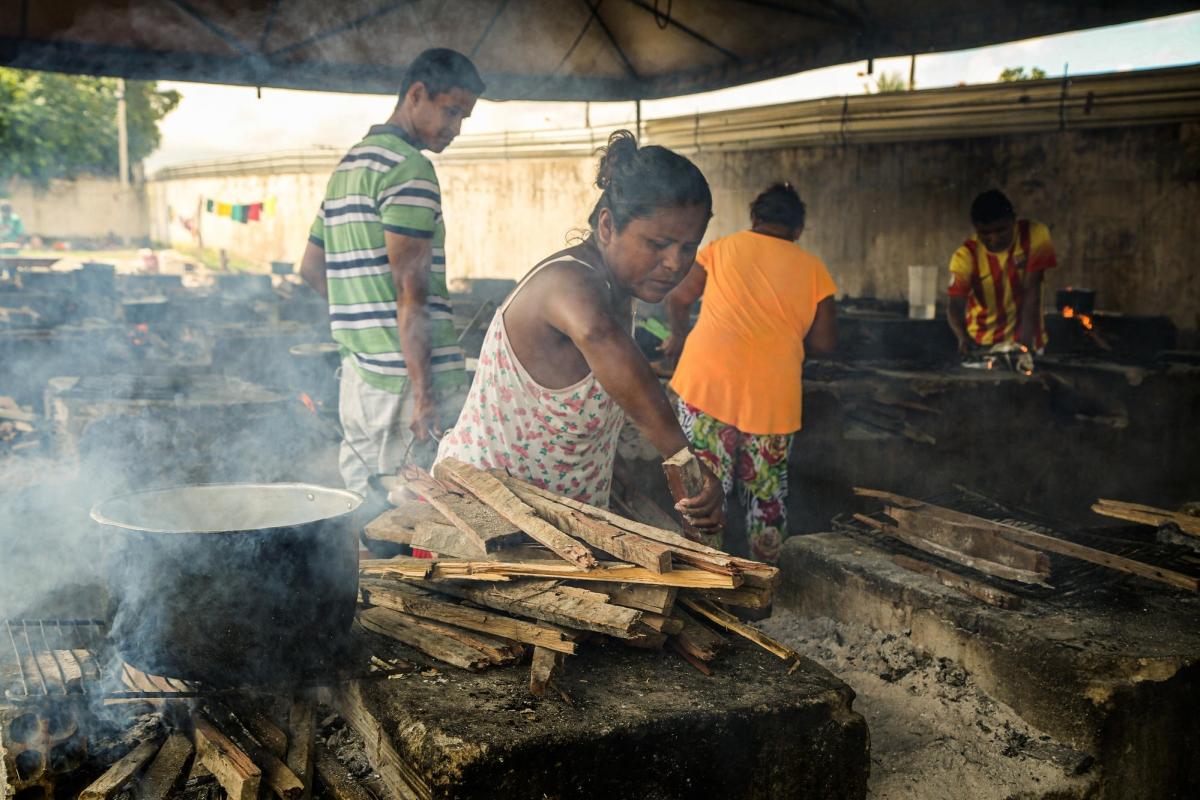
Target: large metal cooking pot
{"type": "Point", "coordinates": [232, 584]}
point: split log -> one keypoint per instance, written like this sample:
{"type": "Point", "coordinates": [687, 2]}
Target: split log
{"type": "Point", "coordinates": [261, 727]}
{"type": "Point", "coordinates": [119, 773]}
{"type": "Point", "coordinates": [685, 480]}
{"type": "Point", "coordinates": [697, 640]}
{"type": "Point", "coordinates": [495, 494]}
{"type": "Point", "coordinates": [544, 667]}
{"type": "Point", "coordinates": [1147, 515]}
{"type": "Point", "coordinates": [734, 625]}
{"type": "Point", "coordinates": [403, 629]}
{"type": "Point", "coordinates": [701, 667]}
{"type": "Point", "coordinates": [336, 779]}
{"type": "Point", "coordinates": [1051, 544]}
{"type": "Point", "coordinates": [647, 640]}
{"type": "Point", "coordinates": [980, 591]}
{"type": "Point", "coordinates": [604, 536]}
{"type": "Point", "coordinates": [232, 768]}
{"type": "Point", "coordinates": [418, 603]}
{"type": "Point", "coordinates": [399, 777]}
{"type": "Point", "coordinates": [499, 571]}
{"type": "Point", "coordinates": [481, 524]}
{"type": "Point", "coordinates": [658, 599]}
{"type": "Point", "coordinates": [301, 736]}
{"type": "Point", "coordinates": [550, 602]}
{"type": "Point", "coordinates": [500, 651]}
{"type": "Point", "coordinates": [984, 543]}
{"type": "Point", "coordinates": [166, 769]}
{"type": "Point", "coordinates": [926, 546]}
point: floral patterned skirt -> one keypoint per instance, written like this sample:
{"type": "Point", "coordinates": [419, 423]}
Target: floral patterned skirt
{"type": "Point", "coordinates": [757, 463]}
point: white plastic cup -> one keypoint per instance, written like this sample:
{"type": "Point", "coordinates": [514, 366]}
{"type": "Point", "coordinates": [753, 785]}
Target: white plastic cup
{"type": "Point", "coordinates": [922, 292]}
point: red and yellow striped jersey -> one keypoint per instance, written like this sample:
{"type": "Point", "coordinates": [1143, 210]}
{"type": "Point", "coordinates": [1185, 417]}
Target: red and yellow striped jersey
{"type": "Point", "coordinates": [991, 282]}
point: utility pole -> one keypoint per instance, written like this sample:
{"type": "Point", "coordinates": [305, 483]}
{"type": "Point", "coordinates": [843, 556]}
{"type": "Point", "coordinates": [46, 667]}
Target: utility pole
{"type": "Point", "coordinates": [912, 72]}
{"type": "Point", "coordinates": [122, 135]}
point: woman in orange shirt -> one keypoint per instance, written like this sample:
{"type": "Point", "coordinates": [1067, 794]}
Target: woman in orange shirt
{"type": "Point", "coordinates": [766, 304]}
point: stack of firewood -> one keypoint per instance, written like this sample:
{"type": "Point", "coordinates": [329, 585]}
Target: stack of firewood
{"type": "Point", "coordinates": [520, 567]}
{"type": "Point", "coordinates": [17, 427]}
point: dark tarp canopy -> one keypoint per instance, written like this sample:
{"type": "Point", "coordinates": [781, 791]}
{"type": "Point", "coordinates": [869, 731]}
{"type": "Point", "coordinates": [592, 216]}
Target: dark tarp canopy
{"type": "Point", "coordinates": [526, 49]}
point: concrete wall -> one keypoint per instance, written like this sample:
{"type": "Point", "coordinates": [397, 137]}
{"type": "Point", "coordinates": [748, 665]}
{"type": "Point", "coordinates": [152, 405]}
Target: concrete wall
{"type": "Point", "coordinates": [1121, 204]}
{"type": "Point", "coordinates": [84, 208]}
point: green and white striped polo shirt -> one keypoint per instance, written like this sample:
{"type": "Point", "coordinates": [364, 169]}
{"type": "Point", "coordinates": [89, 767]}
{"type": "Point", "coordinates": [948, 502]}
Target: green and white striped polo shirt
{"type": "Point", "coordinates": [384, 184]}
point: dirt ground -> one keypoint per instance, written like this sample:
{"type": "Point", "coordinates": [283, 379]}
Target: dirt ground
{"type": "Point", "coordinates": [934, 734]}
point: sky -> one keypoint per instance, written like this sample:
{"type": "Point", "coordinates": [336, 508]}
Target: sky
{"type": "Point", "coordinates": [216, 121]}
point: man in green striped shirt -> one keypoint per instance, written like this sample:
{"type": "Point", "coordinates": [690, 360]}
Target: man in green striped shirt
{"type": "Point", "coordinates": [376, 251]}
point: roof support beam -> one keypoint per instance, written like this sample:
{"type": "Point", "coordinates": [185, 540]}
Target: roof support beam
{"type": "Point", "coordinates": [629, 68]}
{"type": "Point", "coordinates": [211, 26]}
{"type": "Point", "coordinates": [699, 37]}
{"type": "Point", "coordinates": [503, 4]}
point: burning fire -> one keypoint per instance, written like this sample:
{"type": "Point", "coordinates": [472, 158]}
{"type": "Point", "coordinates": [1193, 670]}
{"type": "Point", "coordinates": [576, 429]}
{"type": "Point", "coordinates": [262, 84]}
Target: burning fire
{"type": "Point", "coordinates": [1084, 319]}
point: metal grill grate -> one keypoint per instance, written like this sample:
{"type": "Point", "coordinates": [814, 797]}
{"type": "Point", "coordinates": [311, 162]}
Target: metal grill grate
{"type": "Point", "coordinates": [1074, 582]}
{"type": "Point", "coordinates": [53, 657]}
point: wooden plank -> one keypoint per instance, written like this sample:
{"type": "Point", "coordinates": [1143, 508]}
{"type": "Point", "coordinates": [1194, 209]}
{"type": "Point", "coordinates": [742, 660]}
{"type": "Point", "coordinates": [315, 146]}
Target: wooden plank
{"type": "Point", "coordinates": [635, 503]}
{"type": "Point", "coordinates": [685, 480]}
{"type": "Point", "coordinates": [501, 652]}
{"type": "Point", "coordinates": [673, 644]}
{"type": "Point", "coordinates": [1147, 515]}
{"type": "Point", "coordinates": [483, 525]}
{"type": "Point", "coordinates": [980, 591]}
{"type": "Point", "coordinates": [926, 546]}
{"type": "Point", "coordinates": [647, 640]}
{"type": "Point", "coordinates": [734, 625]}
{"type": "Point", "coordinates": [336, 779]}
{"type": "Point", "coordinates": [265, 749]}
{"type": "Point", "coordinates": [390, 594]}
{"type": "Point", "coordinates": [399, 524]}
{"type": "Point", "coordinates": [670, 538]}
{"type": "Point", "coordinates": [164, 772]}
{"type": "Point", "coordinates": [543, 668]}
{"type": "Point", "coordinates": [119, 773]}
{"type": "Point", "coordinates": [753, 597]}
{"type": "Point", "coordinates": [550, 602]}
{"type": "Point", "coordinates": [1051, 544]}
{"type": "Point", "coordinates": [395, 625]}
{"type": "Point", "coordinates": [495, 494]}
{"type": "Point", "coordinates": [301, 736]}
{"type": "Point", "coordinates": [970, 540]}
{"type": "Point", "coordinates": [659, 599]}
{"type": "Point", "coordinates": [232, 768]}
{"type": "Point", "coordinates": [660, 623]}
{"type": "Point", "coordinates": [622, 544]}
{"type": "Point", "coordinates": [445, 540]}
{"type": "Point", "coordinates": [499, 571]}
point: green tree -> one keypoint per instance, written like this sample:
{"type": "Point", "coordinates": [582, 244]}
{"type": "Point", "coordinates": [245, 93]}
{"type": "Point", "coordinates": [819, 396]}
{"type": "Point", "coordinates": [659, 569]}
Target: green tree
{"type": "Point", "coordinates": [888, 82]}
{"type": "Point", "coordinates": [60, 126]}
{"type": "Point", "coordinates": [1010, 74]}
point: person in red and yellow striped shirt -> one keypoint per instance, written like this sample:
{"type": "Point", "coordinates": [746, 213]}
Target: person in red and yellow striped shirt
{"type": "Point", "coordinates": [996, 277]}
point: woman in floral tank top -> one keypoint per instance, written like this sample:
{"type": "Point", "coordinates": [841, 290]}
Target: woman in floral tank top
{"type": "Point", "coordinates": [559, 370]}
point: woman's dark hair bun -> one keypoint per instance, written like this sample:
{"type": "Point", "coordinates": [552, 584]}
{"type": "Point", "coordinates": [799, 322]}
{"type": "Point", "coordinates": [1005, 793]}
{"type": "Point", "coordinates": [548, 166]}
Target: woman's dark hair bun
{"type": "Point", "coordinates": [638, 181]}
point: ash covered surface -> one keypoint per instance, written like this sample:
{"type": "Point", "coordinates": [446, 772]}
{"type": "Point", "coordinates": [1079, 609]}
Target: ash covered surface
{"type": "Point", "coordinates": [934, 733]}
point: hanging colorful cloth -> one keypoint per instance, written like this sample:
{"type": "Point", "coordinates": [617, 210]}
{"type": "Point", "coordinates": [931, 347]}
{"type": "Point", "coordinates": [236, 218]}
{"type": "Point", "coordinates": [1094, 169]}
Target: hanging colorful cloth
{"type": "Point", "coordinates": [255, 212]}
{"type": "Point", "coordinates": [224, 209]}
{"type": "Point", "coordinates": [210, 205]}
{"type": "Point", "coordinates": [269, 207]}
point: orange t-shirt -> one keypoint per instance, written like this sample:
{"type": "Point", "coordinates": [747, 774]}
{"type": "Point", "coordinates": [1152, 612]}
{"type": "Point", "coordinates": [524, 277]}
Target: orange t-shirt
{"type": "Point", "coordinates": [743, 362]}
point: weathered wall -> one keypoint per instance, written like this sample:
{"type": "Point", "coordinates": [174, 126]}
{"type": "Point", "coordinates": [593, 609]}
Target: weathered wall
{"type": "Point", "coordinates": [1121, 204]}
{"type": "Point", "coordinates": [84, 208]}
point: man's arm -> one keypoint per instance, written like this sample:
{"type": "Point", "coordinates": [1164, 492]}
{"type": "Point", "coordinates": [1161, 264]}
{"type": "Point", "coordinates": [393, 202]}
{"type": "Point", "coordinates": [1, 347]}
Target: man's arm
{"type": "Point", "coordinates": [411, 258]}
{"type": "Point", "coordinates": [822, 335]}
{"type": "Point", "coordinates": [679, 303]}
{"type": "Point", "coordinates": [956, 315]}
{"type": "Point", "coordinates": [1030, 308]}
{"type": "Point", "coordinates": [312, 268]}
{"type": "Point", "coordinates": [577, 307]}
